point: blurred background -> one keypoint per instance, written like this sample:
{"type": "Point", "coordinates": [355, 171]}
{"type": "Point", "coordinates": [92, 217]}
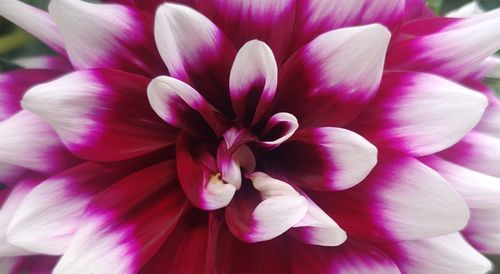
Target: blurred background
{"type": "Point", "coordinates": [16, 44]}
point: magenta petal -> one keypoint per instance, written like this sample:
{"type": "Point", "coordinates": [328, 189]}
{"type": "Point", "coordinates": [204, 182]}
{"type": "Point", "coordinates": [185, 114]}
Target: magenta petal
{"type": "Point", "coordinates": [202, 184]}
{"type": "Point", "coordinates": [325, 158]}
{"type": "Point", "coordinates": [265, 212]}
{"type": "Point", "coordinates": [114, 236]}
{"type": "Point", "coordinates": [245, 20]}
{"type": "Point", "coordinates": [319, 73]}
{"type": "Point", "coordinates": [101, 115]}
{"type": "Point", "coordinates": [253, 81]}
{"type": "Point", "coordinates": [195, 51]}
{"type": "Point", "coordinates": [419, 113]}
{"type": "Point", "coordinates": [14, 83]}
{"type": "Point", "coordinates": [393, 202]}
{"type": "Point", "coordinates": [107, 36]}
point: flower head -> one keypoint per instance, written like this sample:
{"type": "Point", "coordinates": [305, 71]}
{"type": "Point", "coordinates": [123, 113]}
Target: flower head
{"type": "Point", "coordinates": [249, 137]}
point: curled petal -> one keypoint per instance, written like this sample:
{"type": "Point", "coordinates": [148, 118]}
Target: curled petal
{"type": "Point", "coordinates": [280, 127]}
{"type": "Point", "coordinates": [195, 51]}
{"type": "Point", "coordinates": [202, 185]}
{"type": "Point", "coordinates": [420, 113]}
{"type": "Point", "coordinates": [106, 35]}
{"type": "Point", "coordinates": [101, 115]}
{"type": "Point", "coordinates": [325, 158]}
{"type": "Point", "coordinates": [253, 81]}
{"type": "Point", "coordinates": [254, 219]}
{"type": "Point", "coordinates": [319, 73]}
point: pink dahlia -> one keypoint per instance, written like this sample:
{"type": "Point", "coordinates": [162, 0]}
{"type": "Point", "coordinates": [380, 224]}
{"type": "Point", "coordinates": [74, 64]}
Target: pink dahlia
{"type": "Point", "coordinates": [238, 136]}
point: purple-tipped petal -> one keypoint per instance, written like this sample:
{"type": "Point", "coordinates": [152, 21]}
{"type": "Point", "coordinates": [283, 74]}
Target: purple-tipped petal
{"type": "Point", "coordinates": [319, 73]}
{"type": "Point", "coordinates": [107, 36]}
{"type": "Point", "coordinates": [253, 81]}
{"type": "Point", "coordinates": [101, 115]}
{"type": "Point", "coordinates": [477, 151]}
{"type": "Point", "coordinates": [478, 190]}
{"type": "Point", "coordinates": [195, 51]}
{"type": "Point", "coordinates": [113, 236]}
{"type": "Point", "coordinates": [401, 199]}
{"type": "Point", "coordinates": [35, 21]}
{"type": "Point", "coordinates": [279, 128]}
{"type": "Point", "coordinates": [317, 228]}
{"type": "Point", "coordinates": [420, 113]}
{"type": "Point", "coordinates": [14, 83]}
{"type": "Point", "coordinates": [254, 218]}
{"type": "Point", "coordinates": [244, 20]}
{"type": "Point", "coordinates": [454, 51]}
{"type": "Point", "coordinates": [325, 158]}
{"type": "Point", "coordinates": [26, 134]}
{"type": "Point", "coordinates": [202, 183]}
{"type": "Point", "coordinates": [428, 256]}
{"type": "Point", "coordinates": [181, 106]}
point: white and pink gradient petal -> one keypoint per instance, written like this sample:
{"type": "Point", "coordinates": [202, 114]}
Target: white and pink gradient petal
{"type": "Point", "coordinates": [201, 181]}
{"type": "Point", "coordinates": [420, 113]}
{"type": "Point", "coordinates": [483, 230]}
{"type": "Point", "coordinates": [325, 158]}
{"type": "Point", "coordinates": [195, 51]}
{"type": "Point", "coordinates": [46, 155]}
{"type": "Point", "coordinates": [107, 35]}
{"type": "Point", "coordinates": [35, 21]}
{"type": "Point", "coordinates": [48, 217]}
{"type": "Point", "coordinates": [427, 256]}
{"type": "Point", "coordinates": [101, 115]}
{"type": "Point", "coordinates": [265, 212]}
{"type": "Point", "coordinates": [401, 199]}
{"type": "Point", "coordinates": [181, 106]}
{"type": "Point", "coordinates": [478, 190]}
{"type": "Point", "coordinates": [319, 72]}
{"type": "Point", "coordinates": [253, 81]}
{"type": "Point", "coordinates": [10, 174]}
{"type": "Point", "coordinates": [50, 62]}
{"type": "Point", "coordinates": [245, 20]}
{"type": "Point", "coordinates": [477, 151]}
{"type": "Point", "coordinates": [454, 51]}
{"type": "Point", "coordinates": [279, 128]}
{"type": "Point", "coordinates": [113, 236]}
{"type": "Point", "coordinates": [10, 206]}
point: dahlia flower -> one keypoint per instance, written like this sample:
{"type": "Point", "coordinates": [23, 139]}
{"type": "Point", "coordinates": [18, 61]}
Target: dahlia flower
{"type": "Point", "coordinates": [238, 136]}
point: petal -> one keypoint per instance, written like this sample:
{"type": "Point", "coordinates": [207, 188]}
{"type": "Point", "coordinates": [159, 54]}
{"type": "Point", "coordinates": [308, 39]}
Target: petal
{"type": "Point", "coordinates": [466, 10]}
{"type": "Point", "coordinates": [101, 115]}
{"type": "Point", "coordinates": [49, 215]}
{"type": "Point", "coordinates": [201, 184]}
{"type": "Point", "coordinates": [244, 20]}
{"type": "Point", "coordinates": [185, 249]}
{"type": "Point", "coordinates": [231, 161]}
{"type": "Point", "coordinates": [477, 151]}
{"type": "Point", "coordinates": [351, 257]}
{"type": "Point", "coordinates": [181, 106]}
{"type": "Point", "coordinates": [427, 256]}
{"type": "Point", "coordinates": [315, 17]}
{"type": "Point", "coordinates": [317, 228]}
{"type": "Point", "coordinates": [478, 190]}
{"type": "Point", "coordinates": [116, 237]}
{"type": "Point", "coordinates": [488, 243]}
{"type": "Point", "coordinates": [14, 83]}
{"type": "Point", "coordinates": [253, 81]}
{"type": "Point", "coordinates": [325, 158]}
{"type": "Point", "coordinates": [10, 174]}
{"type": "Point", "coordinates": [49, 62]}
{"type": "Point", "coordinates": [402, 199]}
{"type": "Point", "coordinates": [9, 208]}
{"type": "Point", "coordinates": [38, 264]}
{"type": "Point", "coordinates": [195, 51]}
{"type": "Point", "coordinates": [279, 128]}
{"type": "Point", "coordinates": [319, 73]}
{"type": "Point", "coordinates": [26, 134]}
{"type": "Point", "coordinates": [35, 21]}
{"type": "Point", "coordinates": [107, 36]}
{"type": "Point", "coordinates": [452, 52]}
{"type": "Point", "coordinates": [419, 113]}
{"type": "Point", "coordinates": [254, 219]}
{"type": "Point", "coordinates": [490, 122]}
